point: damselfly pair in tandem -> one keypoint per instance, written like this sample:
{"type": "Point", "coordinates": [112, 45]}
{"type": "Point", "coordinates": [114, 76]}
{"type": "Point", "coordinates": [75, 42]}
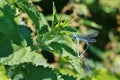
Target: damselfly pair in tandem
{"type": "Point", "coordinates": [87, 39]}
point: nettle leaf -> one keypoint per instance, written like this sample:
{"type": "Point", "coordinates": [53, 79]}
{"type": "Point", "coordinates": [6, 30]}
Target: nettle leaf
{"type": "Point", "coordinates": [44, 40]}
{"type": "Point", "coordinates": [39, 60]}
{"type": "Point", "coordinates": [67, 77]}
{"type": "Point", "coordinates": [62, 17]}
{"type": "Point", "coordinates": [62, 48]}
{"type": "Point", "coordinates": [76, 63]}
{"type": "Point", "coordinates": [37, 17]}
{"type": "Point", "coordinates": [69, 54]}
{"type": "Point", "coordinates": [43, 73]}
{"type": "Point", "coordinates": [26, 33]}
{"type": "Point", "coordinates": [68, 30]}
{"type": "Point", "coordinates": [7, 23]}
{"type": "Point", "coordinates": [8, 31]}
{"type": "Point", "coordinates": [20, 56]}
{"type": "Point", "coordinates": [58, 42]}
{"type": "Point", "coordinates": [48, 38]}
{"type": "Point", "coordinates": [5, 45]}
{"type": "Point", "coordinates": [54, 20]}
{"type": "Point", "coordinates": [56, 35]}
{"type": "Point", "coordinates": [3, 75]}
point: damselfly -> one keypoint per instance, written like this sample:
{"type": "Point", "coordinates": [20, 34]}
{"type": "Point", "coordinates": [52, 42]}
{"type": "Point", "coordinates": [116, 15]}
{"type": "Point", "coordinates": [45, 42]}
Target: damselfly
{"type": "Point", "coordinates": [86, 39]}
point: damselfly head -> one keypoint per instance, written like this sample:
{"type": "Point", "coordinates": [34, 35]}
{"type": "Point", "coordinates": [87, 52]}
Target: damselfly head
{"type": "Point", "coordinates": [74, 36]}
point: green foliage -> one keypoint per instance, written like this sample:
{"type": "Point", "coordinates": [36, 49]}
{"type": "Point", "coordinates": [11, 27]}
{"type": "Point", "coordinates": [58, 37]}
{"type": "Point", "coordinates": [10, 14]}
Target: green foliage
{"type": "Point", "coordinates": [39, 73]}
{"type": "Point", "coordinates": [67, 77]}
{"type": "Point", "coordinates": [18, 57]}
{"type": "Point", "coordinates": [21, 55]}
{"type": "Point", "coordinates": [3, 73]}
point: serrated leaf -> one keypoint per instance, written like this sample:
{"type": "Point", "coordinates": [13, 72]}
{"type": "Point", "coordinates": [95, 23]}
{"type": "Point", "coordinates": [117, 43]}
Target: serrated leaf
{"type": "Point", "coordinates": [37, 17]}
{"type": "Point", "coordinates": [43, 41]}
{"type": "Point", "coordinates": [39, 73]}
{"type": "Point", "coordinates": [67, 77]}
{"type": "Point", "coordinates": [8, 31]}
{"type": "Point", "coordinates": [10, 2]}
{"type": "Point", "coordinates": [76, 63]}
{"type": "Point", "coordinates": [62, 48]}
{"type": "Point", "coordinates": [39, 60]}
{"type": "Point", "coordinates": [68, 30]}
{"type": "Point", "coordinates": [54, 19]}
{"type": "Point", "coordinates": [7, 24]}
{"type": "Point", "coordinates": [3, 75]}
{"type": "Point", "coordinates": [21, 56]}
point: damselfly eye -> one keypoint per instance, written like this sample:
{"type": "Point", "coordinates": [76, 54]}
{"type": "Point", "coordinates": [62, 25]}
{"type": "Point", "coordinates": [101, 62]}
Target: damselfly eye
{"type": "Point", "coordinates": [75, 36]}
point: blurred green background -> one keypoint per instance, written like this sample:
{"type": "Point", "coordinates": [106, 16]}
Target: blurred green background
{"type": "Point", "coordinates": [101, 16]}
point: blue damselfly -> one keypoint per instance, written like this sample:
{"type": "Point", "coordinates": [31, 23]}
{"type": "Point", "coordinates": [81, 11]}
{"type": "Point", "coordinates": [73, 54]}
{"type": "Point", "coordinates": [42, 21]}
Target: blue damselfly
{"type": "Point", "coordinates": [87, 39]}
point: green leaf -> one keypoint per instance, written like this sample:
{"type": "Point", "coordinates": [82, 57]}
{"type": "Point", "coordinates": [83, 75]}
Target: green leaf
{"type": "Point", "coordinates": [7, 23]}
{"type": "Point", "coordinates": [20, 56]}
{"type": "Point", "coordinates": [26, 33]}
{"type": "Point", "coordinates": [90, 23]}
{"type": "Point", "coordinates": [76, 63]}
{"type": "Point", "coordinates": [2, 3]}
{"type": "Point", "coordinates": [3, 75]}
{"type": "Point", "coordinates": [61, 17]}
{"type": "Point", "coordinates": [18, 77]}
{"type": "Point", "coordinates": [5, 45]}
{"type": "Point", "coordinates": [36, 0]}
{"type": "Point", "coordinates": [68, 30]}
{"type": "Point", "coordinates": [96, 51]}
{"type": "Point", "coordinates": [68, 53]}
{"type": "Point", "coordinates": [37, 17]}
{"type": "Point", "coordinates": [8, 31]}
{"type": "Point", "coordinates": [38, 59]}
{"type": "Point", "coordinates": [54, 20]}
{"type": "Point", "coordinates": [103, 74]}
{"type": "Point", "coordinates": [39, 73]}
{"type": "Point", "coordinates": [62, 48]}
{"type": "Point", "coordinates": [67, 77]}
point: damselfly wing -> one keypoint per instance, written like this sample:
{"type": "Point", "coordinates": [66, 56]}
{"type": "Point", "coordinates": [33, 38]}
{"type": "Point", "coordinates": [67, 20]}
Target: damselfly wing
{"type": "Point", "coordinates": [89, 38]}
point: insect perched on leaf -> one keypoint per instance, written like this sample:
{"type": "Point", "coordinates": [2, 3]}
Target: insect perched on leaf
{"type": "Point", "coordinates": [87, 39]}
